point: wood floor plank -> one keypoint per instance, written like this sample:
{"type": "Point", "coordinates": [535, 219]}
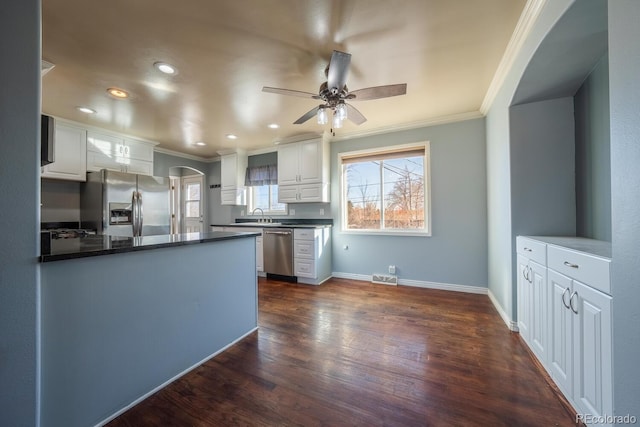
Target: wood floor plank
{"type": "Point", "coordinates": [351, 353]}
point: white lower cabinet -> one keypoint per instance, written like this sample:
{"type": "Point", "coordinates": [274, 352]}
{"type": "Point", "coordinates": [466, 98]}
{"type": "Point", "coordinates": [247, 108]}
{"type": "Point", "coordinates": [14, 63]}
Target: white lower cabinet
{"type": "Point", "coordinates": [259, 246]}
{"type": "Point", "coordinates": [312, 254]}
{"type": "Point", "coordinates": [574, 339]}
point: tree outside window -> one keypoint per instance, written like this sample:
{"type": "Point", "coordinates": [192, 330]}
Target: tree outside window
{"type": "Point", "coordinates": [385, 191]}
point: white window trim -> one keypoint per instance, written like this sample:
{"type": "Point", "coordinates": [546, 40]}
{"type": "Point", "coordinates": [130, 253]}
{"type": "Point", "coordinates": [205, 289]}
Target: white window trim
{"type": "Point", "coordinates": [426, 145]}
{"type": "Point", "coordinates": [250, 206]}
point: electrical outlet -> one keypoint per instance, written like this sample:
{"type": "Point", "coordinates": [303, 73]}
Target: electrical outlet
{"type": "Point", "coordinates": [392, 269]}
{"type": "Point", "coordinates": [242, 212]}
{"type": "Point", "coordinates": [292, 211]}
{"type": "Point", "coordinates": [321, 211]}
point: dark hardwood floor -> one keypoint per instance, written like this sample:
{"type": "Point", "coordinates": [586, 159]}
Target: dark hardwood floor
{"type": "Point", "coordinates": [350, 353]}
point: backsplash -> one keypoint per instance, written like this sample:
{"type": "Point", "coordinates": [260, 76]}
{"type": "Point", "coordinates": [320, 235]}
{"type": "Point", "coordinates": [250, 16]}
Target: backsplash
{"type": "Point", "coordinates": [60, 201]}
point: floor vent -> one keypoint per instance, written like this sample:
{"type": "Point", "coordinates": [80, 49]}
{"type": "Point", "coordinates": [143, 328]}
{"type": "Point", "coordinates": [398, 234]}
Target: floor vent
{"type": "Point", "coordinates": [384, 279]}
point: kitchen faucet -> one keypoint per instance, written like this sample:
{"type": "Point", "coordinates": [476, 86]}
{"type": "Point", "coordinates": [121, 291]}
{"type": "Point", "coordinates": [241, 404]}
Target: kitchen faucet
{"type": "Point", "coordinates": [261, 211]}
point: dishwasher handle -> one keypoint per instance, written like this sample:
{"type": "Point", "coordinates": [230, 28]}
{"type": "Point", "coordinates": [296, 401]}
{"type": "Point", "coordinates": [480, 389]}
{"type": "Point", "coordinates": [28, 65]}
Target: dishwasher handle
{"type": "Point", "coordinates": [286, 233]}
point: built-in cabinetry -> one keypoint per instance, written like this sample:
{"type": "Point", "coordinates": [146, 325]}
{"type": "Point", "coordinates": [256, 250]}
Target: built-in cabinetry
{"type": "Point", "coordinates": [303, 171]}
{"type": "Point", "coordinates": [114, 152]}
{"type": "Point", "coordinates": [575, 316]}
{"type": "Point", "coordinates": [70, 154]}
{"type": "Point", "coordinates": [233, 167]}
{"type": "Point", "coordinates": [312, 254]}
{"type": "Point", "coordinates": [259, 246]}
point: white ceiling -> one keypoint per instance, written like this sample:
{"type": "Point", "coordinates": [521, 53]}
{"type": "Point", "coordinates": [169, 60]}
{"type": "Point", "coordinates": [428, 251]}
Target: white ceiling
{"type": "Point", "coordinates": [447, 51]}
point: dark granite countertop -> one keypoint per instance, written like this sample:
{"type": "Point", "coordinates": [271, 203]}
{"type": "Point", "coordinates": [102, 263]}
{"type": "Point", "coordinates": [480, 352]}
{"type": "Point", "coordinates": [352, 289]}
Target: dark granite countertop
{"type": "Point", "coordinates": [95, 245]}
{"type": "Point", "coordinates": [280, 223]}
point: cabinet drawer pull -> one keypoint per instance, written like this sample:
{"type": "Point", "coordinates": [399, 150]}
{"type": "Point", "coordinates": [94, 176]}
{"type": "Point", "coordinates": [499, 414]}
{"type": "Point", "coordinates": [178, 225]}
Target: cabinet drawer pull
{"type": "Point", "coordinates": [528, 249]}
{"type": "Point", "coordinates": [568, 264]}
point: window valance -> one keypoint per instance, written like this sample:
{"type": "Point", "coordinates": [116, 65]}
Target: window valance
{"type": "Point", "coordinates": [261, 175]}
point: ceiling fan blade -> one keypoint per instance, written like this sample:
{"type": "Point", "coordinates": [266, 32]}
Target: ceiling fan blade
{"type": "Point", "coordinates": [309, 114]}
{"type": "Point", "coordinates": [338, 70]}
{"type": "Point", "coordinates": [378, 92]}
{"type": "Point", "coordinates": [290, 92]}
{"type": "Point", "coordinates": [354, 115]}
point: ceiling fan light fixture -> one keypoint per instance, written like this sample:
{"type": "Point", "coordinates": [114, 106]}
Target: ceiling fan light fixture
{"type": "Point", "coordinates": [322, 116]}
{"type": "Point", "coordinates": [337, 121]}
{"type": "Point", "coordinates": [341, 111]}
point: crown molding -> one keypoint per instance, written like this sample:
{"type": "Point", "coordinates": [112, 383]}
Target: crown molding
{"type": "Point", "coordinates": [523, 28]}
{"type": "Point", "coordinates": [186, 156]}
{"type": "Point", "coordinates": [413, 125]}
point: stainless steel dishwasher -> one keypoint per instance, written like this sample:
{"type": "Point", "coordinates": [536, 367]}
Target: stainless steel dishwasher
{"type": "Point", "coordinates": [278, 251]}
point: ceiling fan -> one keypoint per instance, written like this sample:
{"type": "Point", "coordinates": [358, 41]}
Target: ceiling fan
{"type": "Point", "coordinates": [334, 93]}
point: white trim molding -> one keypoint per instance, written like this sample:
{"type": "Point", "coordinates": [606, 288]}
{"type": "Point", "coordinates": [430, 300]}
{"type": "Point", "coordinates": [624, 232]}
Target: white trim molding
{"type": "Point", "coordinates": [418, 283]}
{"type": "Point", "coordinates": [513, 326]}
{"type": "Point", "coordinates": [413, 125]}
{"type": "Point", "coordinates": [523, 28]}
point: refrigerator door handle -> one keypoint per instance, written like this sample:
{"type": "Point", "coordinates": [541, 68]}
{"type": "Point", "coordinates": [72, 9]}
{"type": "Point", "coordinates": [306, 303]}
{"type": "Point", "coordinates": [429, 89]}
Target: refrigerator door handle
{"type": "Point", "coordinates": [134, 209]}
{"type": "Point", "coordinates": [140, 215]}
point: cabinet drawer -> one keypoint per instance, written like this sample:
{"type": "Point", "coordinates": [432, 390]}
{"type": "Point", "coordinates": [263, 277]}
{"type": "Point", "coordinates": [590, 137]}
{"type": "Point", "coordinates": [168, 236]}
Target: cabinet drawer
{"type": "Point", "coordinates": [588, 269]}
{"type": "Point", "coordinates": [304, 233]}
{"type": "Point", "coordinates": [305, 268]}
{"type": "Point", "coordinates": [532, 249]}
{"type": "Point", "coordinates": [303, 249]}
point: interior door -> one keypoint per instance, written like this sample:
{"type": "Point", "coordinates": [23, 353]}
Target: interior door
{"type": "Point", "coordinates": [192, 204]}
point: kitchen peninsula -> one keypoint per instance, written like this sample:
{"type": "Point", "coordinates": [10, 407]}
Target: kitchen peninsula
{"type": "Point", "coordinates": [122, 317]}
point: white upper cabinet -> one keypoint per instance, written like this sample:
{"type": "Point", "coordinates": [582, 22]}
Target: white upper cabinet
{"type": "Point", "coordinates": [70, 156]}
{"type": "Point", "coordinates": [114, 152]}
{"type": "Point", "coordinates": [233, 167]}
{"type": "Point", "coordinates": [303, 171]}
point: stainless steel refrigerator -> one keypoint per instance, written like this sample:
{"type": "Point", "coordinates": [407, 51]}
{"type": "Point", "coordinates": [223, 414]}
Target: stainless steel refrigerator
{"type": "Point", "coordinates": [124, 204]}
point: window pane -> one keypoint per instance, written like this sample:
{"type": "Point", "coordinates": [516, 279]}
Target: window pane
{"type": "Point", "coordinates": [193, 191]}
{"type": "Point", "coordinates": [192, 209]}
{"type": "Point", "coordinates": [404, 193]}
{"type": "Point", "coordinates": [275, 206]}
{"type": "Point", "coordinates": [260, 197]}
{"type": "Point", "coordinates": [363, 195]}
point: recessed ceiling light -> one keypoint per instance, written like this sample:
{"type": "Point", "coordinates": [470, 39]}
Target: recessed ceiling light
{"type": "Point", "coordinates": [166, 68]}
{"type": "Point", "coordinates": [274, 126]}
{"type": "Point", "coordinates": [200, 143]}
{"type": "Point", "coordinates": [231, 136]}
{"type": "Point", "coordinates": [118, 93]}
{"type": "Point", "coordinates": [86, 110]}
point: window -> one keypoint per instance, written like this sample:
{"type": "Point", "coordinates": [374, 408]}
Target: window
{"type": "Point", "coordinates": [386, 190]}
{"type": "Point", "coordinates": [265, 197]}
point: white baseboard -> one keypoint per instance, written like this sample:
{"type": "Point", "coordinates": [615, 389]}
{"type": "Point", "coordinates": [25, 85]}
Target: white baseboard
{"type": "Point", "coordinates": [418, 283]}
{"type": "Point", "coordinates": [513, 326]}
{"type": "Point", "coordinates": [169, 381]}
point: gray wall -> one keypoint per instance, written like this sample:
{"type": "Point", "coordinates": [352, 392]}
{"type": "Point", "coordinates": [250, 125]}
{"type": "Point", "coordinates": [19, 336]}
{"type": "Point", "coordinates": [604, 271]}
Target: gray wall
{"type": "Point", "coordinates": [19, 217]}
{"type": "Point", "coordinates": [162, 163]}
{"type": "Point", "coordinates": [542, 168]}
{"type": "Point", "coordinates": [593, 160]}
{"type": "Point", "coordinates": [108, 339]}
{"type": "Point", "coordinates": [500, 236]}
{"type": "Point", "coordinates": [456, 251]}
{"type": "Point", "coordinates": [624, 87]}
